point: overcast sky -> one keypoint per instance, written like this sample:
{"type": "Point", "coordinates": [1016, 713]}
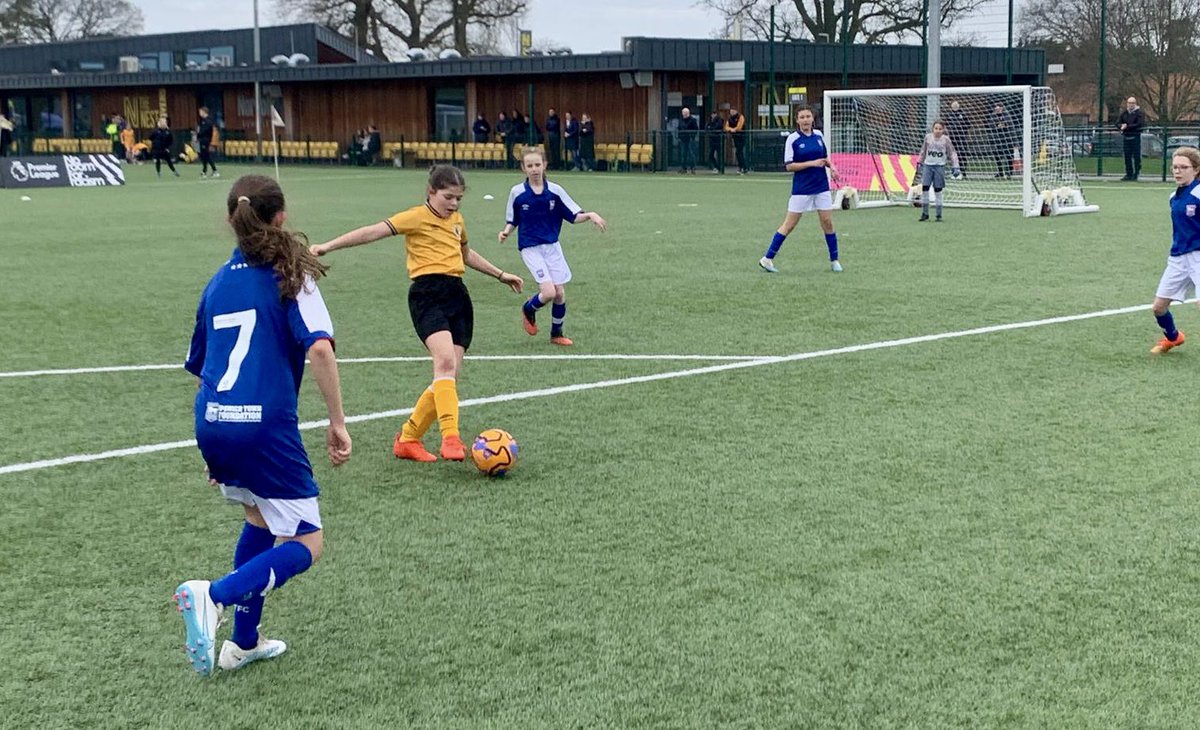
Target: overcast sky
{"type": "Point", "coordinates": [585, 27]}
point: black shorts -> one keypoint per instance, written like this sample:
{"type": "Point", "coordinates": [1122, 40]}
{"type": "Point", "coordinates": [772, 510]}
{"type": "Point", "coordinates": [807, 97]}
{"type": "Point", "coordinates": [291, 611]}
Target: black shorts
{"type": "Point", "coordinates": [440, 302]}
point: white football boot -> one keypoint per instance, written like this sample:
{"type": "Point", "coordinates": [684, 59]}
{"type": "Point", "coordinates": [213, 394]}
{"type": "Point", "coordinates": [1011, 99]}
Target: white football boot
{"type": "Point", "coordinates": [235, 657]}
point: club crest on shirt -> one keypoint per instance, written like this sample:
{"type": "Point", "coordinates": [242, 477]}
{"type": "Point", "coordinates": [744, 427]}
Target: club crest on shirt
{"type": "Point", "coordinates": [210, 412]}
{"type": "Point", "coordinates": [458, 231]}
{"type": "Point", "coordinates": [1191, 211]}
{"type": "Point", "coordinates": [552, 202]}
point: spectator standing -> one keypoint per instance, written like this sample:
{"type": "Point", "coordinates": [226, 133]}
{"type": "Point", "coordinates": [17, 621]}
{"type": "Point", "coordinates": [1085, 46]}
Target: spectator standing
{"type": "Point", "coordinates": [689, 129]}
{"type": "Point", "coordinates": [206, 143]}
{"type": "Point", "coordinates": [587, 143]}
{"type": "Point", "coordinates": [715, 131]}
{"type": "Point", "coordinates": [554, 139]}
{"type": "Point", "coordinates": [571, 139]}
{"type": "Point", "coordinates": [1131, 122]}
{"type": "Point", "coordinates": [481, 129]}
{"type": "Point", "coordinates": [372, 145]}
{"type": "Point", "coordinates": [959, 128]}
{"type": "Point", "coordinates": [161, 142]}
{"type": "Point", "coordinates": [735, 126]}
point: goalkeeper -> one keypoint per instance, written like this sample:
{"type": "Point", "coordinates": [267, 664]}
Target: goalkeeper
{"type": "Point", "coordinates": [933, 156]}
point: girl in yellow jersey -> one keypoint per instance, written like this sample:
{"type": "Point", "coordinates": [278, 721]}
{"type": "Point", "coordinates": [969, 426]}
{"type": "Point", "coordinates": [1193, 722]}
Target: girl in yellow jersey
{"type": "Point", "coordinates": [435, 237]}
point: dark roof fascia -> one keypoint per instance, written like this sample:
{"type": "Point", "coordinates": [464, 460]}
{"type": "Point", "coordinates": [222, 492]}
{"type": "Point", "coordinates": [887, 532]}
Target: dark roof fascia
{"type": "Point", "coordinates": [598, 63]}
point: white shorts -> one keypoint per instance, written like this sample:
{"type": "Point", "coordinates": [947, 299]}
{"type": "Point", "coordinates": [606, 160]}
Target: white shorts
{"type": "Point", "coordinates": [283, 516]}
{"type": "Point", "coordinates": [547, 263]}
{"type": "Point", "coordinates": [805, 203]}
{"type": "Point", "coordinates": [1182, 273]}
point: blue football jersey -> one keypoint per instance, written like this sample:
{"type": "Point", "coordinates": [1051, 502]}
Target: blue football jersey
{"type": "Point", "coordinates": [248, 349]}
{"type": "Point", "coordinates": [1185, 219]}
{"type": "Point", "coordinates": [802, 147]}
{"type": "Point", "coordinates": [539, 218]}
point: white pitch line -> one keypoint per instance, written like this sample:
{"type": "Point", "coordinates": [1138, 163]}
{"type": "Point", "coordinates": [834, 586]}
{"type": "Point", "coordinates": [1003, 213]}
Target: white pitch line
{"type": "Point", "coordinates": [578, 387]}
{"type": "Point", "coordinates": [404, 358]}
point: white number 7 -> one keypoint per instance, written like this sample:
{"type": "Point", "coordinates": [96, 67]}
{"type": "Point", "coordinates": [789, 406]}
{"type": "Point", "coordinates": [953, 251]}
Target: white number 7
{"type": "Point", "coordinates": [244, 321]}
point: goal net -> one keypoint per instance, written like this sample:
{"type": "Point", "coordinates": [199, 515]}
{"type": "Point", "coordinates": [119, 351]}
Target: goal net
{"type": "Point", "coordinates": [1011, 146]}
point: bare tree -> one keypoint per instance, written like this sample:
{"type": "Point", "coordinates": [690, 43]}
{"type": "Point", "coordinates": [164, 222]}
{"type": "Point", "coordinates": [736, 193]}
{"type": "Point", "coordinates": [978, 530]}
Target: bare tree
{"type": "Point", "coordinates": [389, 27]}
{"type": "Point", "coordinates": [828, 21]}
{"type": "Point", "coordinates": [1151, 52]}
{"type": "Point", "coordinates": [49, 21]}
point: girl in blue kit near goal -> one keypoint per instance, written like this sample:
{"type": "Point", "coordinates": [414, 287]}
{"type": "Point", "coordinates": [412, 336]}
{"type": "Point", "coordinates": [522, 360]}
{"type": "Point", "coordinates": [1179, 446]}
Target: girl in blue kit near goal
{"type": "Point", "coordinates": [538, 208]}
{"type": "Point", "coordinates": [807, 158]}
{"type": "Point", "coordinates": [260, 316]}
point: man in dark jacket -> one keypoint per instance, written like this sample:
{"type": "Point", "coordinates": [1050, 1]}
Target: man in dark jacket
{"type": "Point", "coordinates": [959, 128]}
{"type": "Point", "coordinates": [554, 139]}
{"type": "Point", "coordinates": [206, 143]}
{"type": "Point", "coordinates": [1002, 139]}
{"type": "Point", "coordinates": [481, 129]}
{"type": "Point", "coordinates": [1131, 122]}
{"type": "Point", "coordinates": [689, 128]}
{"type": "Point", "coordinates": [571, 140]}
{"type": "Point", "coordinates": [715, 131]}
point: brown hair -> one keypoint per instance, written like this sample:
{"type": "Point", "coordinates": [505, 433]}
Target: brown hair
{"type": "Point", "coordinates": [445, 176]}
{"type": "Point", "coordinates": [253, 203]}
{"type": "Point", "coordinates": [1191, 153]}
{"type": "Point", "coordinates": [532, 151]}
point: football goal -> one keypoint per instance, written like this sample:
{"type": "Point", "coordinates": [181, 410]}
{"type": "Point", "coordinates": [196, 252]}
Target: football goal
{"type": "Point", "coordinates": [1011, 145]}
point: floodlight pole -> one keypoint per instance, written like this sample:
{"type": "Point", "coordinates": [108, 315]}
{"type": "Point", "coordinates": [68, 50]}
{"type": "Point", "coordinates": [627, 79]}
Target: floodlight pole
{"type": "Point", "coordinates": [1098, 147]}
{"type": "Point", "coordinates": [1008, 56]}
{"type": "Point", "coordinates": [771, 74]}
{"type": "Point", "coordinates": [257, 90]}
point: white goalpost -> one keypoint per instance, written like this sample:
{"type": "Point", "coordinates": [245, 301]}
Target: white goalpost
{"type": "Point", "coordinates": [1010, 141]}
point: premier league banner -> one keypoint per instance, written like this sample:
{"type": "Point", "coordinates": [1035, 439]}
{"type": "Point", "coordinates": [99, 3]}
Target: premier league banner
{"type": "Point", "coordinates": [76, 171]}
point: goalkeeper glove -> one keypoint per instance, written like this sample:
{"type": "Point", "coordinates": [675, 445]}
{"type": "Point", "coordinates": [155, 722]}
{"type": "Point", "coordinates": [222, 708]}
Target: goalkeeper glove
{"type": "Point", "coordinates": [956, 173]}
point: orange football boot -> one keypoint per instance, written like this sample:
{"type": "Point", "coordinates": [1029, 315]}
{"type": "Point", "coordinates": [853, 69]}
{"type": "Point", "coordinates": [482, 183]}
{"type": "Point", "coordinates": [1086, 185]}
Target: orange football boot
{"type": "Point", "coordinates": [529, 323]}
{"type": "Point", "coordinates": [452, 448]}
{"type": "Point", "coordinates": [560, 340]}
{"type": "Point", "coordinates": [1164, 344]}
{"type": "Point", "coordinates": [411, 450]}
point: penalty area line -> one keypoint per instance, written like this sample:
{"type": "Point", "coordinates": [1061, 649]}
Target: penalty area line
{"type": "Point", "coordinates": [632, 380]}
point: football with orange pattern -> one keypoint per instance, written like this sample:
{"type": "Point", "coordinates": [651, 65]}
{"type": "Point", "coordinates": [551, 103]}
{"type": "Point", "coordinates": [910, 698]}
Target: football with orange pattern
{"type": "Point", "coordinates": [494, 452]}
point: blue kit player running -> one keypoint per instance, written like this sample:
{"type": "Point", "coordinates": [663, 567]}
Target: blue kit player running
{"type": "Point", "coordinates": [259, 317]}
{"type": "Point", "coordinates": [1183, 265]}
{"type": "Point", "coordinates": [806, 157]}
{"type": "Point", "coordinates": [538, 207]}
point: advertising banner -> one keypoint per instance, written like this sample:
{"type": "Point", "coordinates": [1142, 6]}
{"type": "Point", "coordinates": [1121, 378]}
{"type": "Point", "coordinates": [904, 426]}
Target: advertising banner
{"type": "Point", "coordinates": [76, 171]}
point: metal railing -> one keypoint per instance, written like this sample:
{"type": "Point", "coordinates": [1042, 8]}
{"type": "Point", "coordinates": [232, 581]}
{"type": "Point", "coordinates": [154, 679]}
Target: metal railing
{"type": "Point", "coordinates": [1098, 151]}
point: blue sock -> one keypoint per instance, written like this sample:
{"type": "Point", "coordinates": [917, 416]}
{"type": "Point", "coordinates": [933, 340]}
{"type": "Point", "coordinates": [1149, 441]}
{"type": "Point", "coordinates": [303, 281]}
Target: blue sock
{"type": "Point", "coordinates": [831, 242]}
{"type": "Point", "coordinates": [264, 573]}
{"type": "Point", "coordinates": [557, 313]}
{"type": "Point", "coordinates": [253, 542]}
{"type": "Point", "coordinates": [776, 244]}
{"type": "Point", "coordinates": [535, 303]}
{"type": "Point", "coordinates": [1167, 322]}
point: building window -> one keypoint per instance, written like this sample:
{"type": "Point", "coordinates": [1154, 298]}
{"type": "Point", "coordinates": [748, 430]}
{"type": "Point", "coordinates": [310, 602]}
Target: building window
{"type": "Point", "coordinates": [222, 55]}
{"type": "Point", "coordinates": [149, 62]}
{"type": "Point", "coordinates": [197, 57]}
{"type": "Point", "coordinates": [81, 115]}
{"type": "Point", "coordinates": [450, 113]}
{"type": "Point", "coordinates": [91, 65]}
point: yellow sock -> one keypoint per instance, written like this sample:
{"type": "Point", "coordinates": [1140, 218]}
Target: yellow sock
{"type": "Point", "coordinates": [421, 418]}
{"type": "Point", "coordinates": [445, 394]}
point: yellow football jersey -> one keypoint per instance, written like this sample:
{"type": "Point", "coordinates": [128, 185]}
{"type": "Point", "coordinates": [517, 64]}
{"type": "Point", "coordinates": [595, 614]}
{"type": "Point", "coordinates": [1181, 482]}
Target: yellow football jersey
{"type": "Point", "coordinates": [434, 243]}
